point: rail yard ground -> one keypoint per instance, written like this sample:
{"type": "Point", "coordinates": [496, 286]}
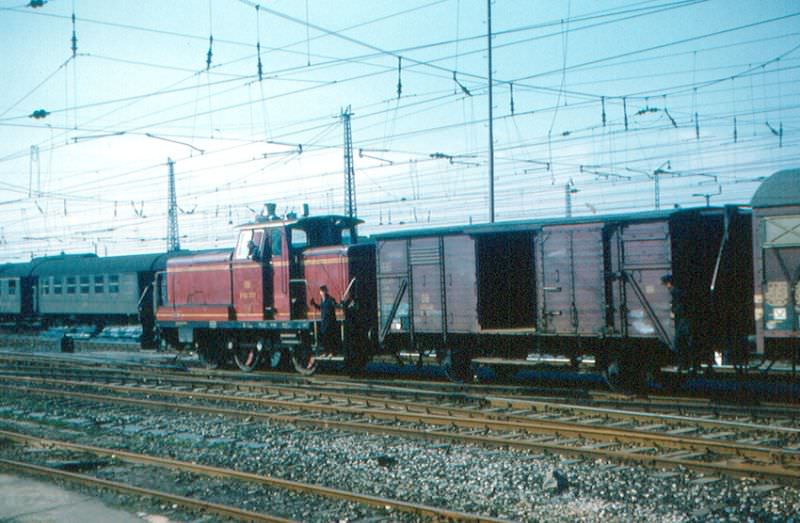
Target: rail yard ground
{"type": "Point", "coordinates": [279, 447]}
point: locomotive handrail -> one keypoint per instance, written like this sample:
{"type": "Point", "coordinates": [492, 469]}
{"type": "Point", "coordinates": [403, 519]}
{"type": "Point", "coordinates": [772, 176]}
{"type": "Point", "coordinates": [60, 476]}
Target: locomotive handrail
{"type": "Point", "coordinates": [660, 330]}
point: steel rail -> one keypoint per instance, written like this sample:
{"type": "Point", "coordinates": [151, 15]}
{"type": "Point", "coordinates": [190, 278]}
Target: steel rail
{"type": "Point", "coordinates": [530, 406]}
{"type": "Point", "coordinates": [215, 508]}
{"type": "Point", "coordinates": [738, 463]}
{"type": "Point", "coordinates": [232, 379]}
{"type": "Point", "coordinates": [207, 470]}
{"type": "Point", "coordinates": [546, 406]}
{"type": "Point", "coordinates": [467, 419]}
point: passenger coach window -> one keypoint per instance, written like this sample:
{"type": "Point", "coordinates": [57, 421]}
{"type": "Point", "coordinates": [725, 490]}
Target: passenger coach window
{"type": "Point", "coordinates": [84, 285]}
{"type": "Point", "coordinates": [71, 280]}
{"type": "Point", "coordinates": [99, 284]}
{"type": "Point", "coordinates": [56, 285]}
{"type": "Point", "coordinates": [113, 283]}
{"type": "Point", "coordinates": [12, 287]}
{"type": "Point", "coordinates": [45, 286]}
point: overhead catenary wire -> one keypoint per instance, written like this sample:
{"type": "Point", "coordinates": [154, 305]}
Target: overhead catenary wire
{"type": "Point", "coordinates": [709, 116]}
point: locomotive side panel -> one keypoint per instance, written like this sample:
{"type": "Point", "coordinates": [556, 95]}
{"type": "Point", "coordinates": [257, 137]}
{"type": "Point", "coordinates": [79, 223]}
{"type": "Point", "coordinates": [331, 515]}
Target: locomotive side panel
{"type": "Point", "coordinates": [199, 288]}
{"type": "Point", "coordinates": [326, 266]}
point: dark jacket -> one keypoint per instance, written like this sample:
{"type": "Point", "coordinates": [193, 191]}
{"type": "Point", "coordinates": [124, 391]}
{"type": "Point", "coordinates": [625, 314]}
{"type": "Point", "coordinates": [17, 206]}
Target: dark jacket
{"type": "Point", "coordinates": [327, 312]}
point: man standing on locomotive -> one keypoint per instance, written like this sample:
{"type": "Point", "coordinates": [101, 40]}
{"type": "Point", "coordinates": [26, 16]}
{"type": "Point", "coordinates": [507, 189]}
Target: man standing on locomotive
{"type": "Point", "coordinates": [683, 336]}
{"type": "Point", "coordinates": [328, 329]}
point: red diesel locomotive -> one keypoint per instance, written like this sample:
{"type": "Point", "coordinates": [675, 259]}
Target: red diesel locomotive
{"type": "Point", "coordinates": [254, 303]}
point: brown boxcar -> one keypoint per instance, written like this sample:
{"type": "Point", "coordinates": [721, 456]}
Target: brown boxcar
{"type": "Point", "coordinates": [589, 285]}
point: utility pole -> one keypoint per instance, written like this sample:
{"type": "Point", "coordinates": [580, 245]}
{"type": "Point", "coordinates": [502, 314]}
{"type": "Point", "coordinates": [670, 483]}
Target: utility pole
{"type": "Point", "coordinates": [349, 172]}
{"type": "Point", "coordinates": [491, 114]}
{"type": "Point", "coordinates": [173, 240]}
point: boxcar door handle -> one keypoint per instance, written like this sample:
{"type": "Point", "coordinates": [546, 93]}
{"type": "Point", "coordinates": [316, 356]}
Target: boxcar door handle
{"type": "Point", "coordinates": [551, 289]}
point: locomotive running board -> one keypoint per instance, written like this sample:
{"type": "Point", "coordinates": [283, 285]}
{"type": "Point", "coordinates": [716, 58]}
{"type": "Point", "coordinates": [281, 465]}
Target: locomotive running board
{"type": "Point", "coordinates": [662, 333]}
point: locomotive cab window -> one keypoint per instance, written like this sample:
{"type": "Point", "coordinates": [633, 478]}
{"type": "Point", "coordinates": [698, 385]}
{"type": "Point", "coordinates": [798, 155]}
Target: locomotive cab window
{"type": "Point", "coordinates": [276, 242]}
{"type": "Point", "coordinates": [299, 239]}
{"type": "Point", "coordinates": [325, 231]}
{"type": "Point", "coordinates": [251, 245]}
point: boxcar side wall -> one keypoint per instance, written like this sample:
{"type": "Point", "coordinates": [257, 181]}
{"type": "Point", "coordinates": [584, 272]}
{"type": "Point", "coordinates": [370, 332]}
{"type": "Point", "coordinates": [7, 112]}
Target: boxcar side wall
{"type": "Point", "coordinates": [461, 285]}
{"type": "Point", "coordinates": [570, 270]}
{"type": "Point", "coordinates": [640, 254]}
{"type": "Point", "coordinates": [776, 244]}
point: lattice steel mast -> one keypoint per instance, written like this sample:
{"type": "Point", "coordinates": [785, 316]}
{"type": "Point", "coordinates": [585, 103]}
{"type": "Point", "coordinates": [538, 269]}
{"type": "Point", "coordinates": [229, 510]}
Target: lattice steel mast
{"type": "Point", "coordinates": [349, 172]}
{"type": "Point", "coordinates": [173, 240]}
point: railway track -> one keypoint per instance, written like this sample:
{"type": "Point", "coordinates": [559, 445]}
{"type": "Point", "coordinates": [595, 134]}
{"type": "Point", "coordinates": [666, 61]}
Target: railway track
{"type": "Point", "coordinates": [666, 441]}
{"type": "Point", "coordinates": [415, 509]}
{"type": "Point", "coordinates": [101, 368]}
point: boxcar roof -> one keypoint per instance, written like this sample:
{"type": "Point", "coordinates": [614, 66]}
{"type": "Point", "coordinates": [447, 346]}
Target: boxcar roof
{"type": "Point", "coordinates": [782, 188]}
{"type": "Point", "coordinates": [68, 264]}
{"type": "Point", "coordinates": [531, 224]}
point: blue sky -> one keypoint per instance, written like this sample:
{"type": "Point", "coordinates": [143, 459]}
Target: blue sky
{"type": "Point", "coordinates": [705, 87]}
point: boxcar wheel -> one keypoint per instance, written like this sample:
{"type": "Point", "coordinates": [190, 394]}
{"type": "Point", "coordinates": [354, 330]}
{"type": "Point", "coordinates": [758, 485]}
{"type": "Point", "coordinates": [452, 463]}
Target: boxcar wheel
{"type": "Point", "coordinates": [457, 366]}
{"type": "Point", "coordinates": [246, 355]}
{"type": "Point", "coordinates": [627, 373]}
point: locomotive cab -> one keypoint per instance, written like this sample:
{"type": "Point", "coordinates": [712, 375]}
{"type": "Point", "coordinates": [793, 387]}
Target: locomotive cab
{"type": "Point", "coordinates": [268, 265]}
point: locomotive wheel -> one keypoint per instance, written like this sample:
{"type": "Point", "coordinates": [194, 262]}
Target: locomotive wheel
{"type": "Point", "coordinates": [246, 355]}
{"type": "Point", "coordinates": [457, 366]}
{"type": "Point", "coordinates": [302, 359]}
